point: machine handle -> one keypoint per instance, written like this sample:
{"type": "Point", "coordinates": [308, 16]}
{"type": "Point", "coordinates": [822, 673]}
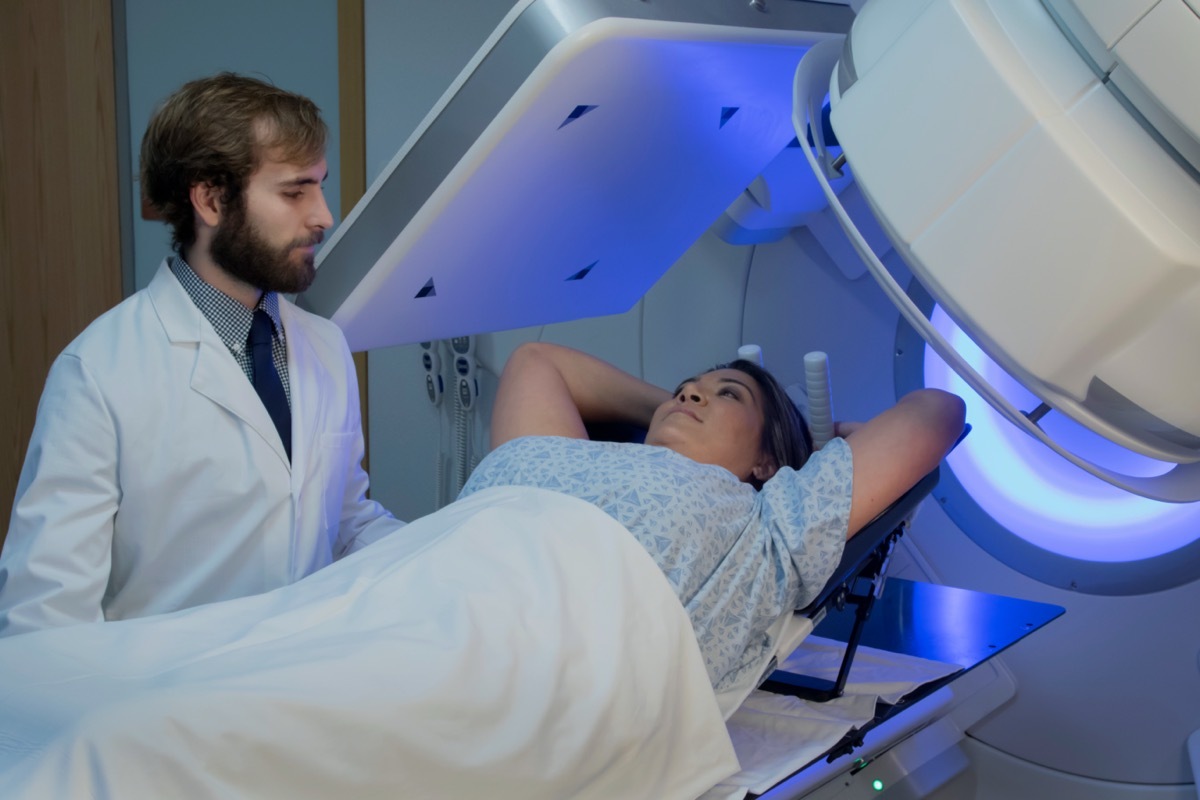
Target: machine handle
{"type": "Point", "coordinates": [820, 399]}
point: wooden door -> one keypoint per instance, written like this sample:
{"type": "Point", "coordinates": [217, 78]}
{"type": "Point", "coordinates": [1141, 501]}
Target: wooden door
{"type": "Point", "coordinates": [60, 259]}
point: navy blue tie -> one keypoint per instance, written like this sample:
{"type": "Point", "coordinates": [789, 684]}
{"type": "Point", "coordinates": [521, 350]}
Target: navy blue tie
{"type": "Point", "coordinates": [266, 379]}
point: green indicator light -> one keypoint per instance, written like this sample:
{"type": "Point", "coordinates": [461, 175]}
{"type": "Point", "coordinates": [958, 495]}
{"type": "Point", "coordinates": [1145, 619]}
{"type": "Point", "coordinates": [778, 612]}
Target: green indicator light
{"type": "Point", "coordinates": [877, 785]}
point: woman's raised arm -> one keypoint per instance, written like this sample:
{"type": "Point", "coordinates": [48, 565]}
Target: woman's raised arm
{"type": "Point", "coordinates": [897, 448]}
{"type": "Point", "coordinates": [551, 390]}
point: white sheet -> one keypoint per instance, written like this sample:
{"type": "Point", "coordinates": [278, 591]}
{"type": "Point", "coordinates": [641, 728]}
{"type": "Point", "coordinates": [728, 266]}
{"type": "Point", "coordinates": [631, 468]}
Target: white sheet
{"type": "Point", "coordinates": [775, 735]}
{"type": "Point", "coordinates": [516, 644]}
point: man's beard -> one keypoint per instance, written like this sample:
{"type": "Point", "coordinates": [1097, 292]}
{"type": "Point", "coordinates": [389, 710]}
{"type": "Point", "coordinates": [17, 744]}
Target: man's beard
{"type": "Point", "coordinates": [240, 251]}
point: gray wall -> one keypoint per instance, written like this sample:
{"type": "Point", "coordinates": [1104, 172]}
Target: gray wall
{"type": "Point", "coordinates": [414, 51]}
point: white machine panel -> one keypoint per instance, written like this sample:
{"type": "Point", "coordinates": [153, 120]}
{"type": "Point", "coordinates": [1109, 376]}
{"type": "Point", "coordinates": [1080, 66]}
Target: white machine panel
{"type": "Point", "coordinates": [1095, 305]}
{"type": "Point", "coordinates": [612, 155]}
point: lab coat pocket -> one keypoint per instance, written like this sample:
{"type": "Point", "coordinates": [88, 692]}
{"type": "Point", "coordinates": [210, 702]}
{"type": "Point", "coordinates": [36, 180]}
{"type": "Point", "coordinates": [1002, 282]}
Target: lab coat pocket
{"type": "Point", "coordinates": [333, 465]}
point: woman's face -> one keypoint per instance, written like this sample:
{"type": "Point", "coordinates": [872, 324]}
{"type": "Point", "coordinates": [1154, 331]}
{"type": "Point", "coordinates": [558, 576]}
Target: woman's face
{"type": "Point", "coordinates": [716, 418]}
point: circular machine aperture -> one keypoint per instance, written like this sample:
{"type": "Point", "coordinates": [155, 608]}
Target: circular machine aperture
{"type": "Point", "coordinates": [1032, 509]}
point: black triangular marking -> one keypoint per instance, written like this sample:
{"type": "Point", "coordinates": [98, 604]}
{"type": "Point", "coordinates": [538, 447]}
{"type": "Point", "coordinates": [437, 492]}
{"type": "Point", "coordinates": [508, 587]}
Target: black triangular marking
{"type": "Point", "coordinates": [575, 114]}
{"type": "Point", "coordinates": [727, 113]}
{"type": "Point", "coordinates": [578, 276]}
{"type": "Point", "coordinates": [427, 290]}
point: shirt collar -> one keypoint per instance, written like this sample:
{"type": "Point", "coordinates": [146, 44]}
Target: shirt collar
{"type": "Point", "coordinates": [230, 318]}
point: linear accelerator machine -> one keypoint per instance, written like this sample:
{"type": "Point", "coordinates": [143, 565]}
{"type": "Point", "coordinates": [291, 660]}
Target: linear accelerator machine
{"type": "Point", "coordinates": [1020, 177]}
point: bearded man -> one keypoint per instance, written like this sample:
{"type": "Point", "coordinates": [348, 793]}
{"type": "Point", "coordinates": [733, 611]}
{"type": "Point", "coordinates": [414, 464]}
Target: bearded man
{"type": "Point", "coordinates": [201, 440]}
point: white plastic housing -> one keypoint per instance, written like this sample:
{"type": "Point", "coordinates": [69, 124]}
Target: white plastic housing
{"type": "Point", "coordinates": [1095, 304]}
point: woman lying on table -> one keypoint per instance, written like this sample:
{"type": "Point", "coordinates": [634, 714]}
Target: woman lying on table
{"type": "Point", "coordinates": [726, 495]}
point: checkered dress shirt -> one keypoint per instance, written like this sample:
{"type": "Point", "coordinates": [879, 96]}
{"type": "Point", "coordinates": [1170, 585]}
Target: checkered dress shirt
{"type": "Point", "coordinates": [232, 321]}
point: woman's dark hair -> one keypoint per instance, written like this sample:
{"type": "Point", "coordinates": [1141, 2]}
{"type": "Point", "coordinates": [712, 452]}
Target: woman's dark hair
{"type": "Point", "coordinates": [785, 435]}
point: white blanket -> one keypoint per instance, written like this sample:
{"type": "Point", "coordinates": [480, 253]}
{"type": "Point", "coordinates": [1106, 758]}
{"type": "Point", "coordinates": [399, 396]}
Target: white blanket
{"type": "Point", "coordinates": [519, 643]}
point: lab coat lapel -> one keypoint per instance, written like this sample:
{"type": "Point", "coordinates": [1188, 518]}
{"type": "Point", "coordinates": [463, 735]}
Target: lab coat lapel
{"type": "Point", "coordinates": [215, 374]}
{"type": "Point", "coordinates": [306, 394]}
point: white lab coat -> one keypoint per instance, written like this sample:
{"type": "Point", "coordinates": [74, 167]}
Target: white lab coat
{"type": "Point", "coordinates": [156, 481]}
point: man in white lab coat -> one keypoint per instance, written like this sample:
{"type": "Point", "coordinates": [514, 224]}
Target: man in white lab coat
{"type": "Point", "coordinates": [201, 441]}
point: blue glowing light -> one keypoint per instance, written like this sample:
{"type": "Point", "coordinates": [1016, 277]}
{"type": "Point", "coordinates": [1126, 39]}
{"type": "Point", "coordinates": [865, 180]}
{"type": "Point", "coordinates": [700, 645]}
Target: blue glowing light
{"type": "Point", "coordinates": [1040, 496]}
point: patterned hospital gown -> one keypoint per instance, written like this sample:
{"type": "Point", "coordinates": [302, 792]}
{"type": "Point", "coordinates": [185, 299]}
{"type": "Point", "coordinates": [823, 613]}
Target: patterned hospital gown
{"type": "Point", "coordinates": [736, 557]}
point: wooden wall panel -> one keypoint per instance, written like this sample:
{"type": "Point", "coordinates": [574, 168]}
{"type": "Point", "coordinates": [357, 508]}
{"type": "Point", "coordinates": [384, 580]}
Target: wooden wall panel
{"type": "Point", "coordinates": [352, 116]}
{"type": "Point", "coordinates": [60, 262]}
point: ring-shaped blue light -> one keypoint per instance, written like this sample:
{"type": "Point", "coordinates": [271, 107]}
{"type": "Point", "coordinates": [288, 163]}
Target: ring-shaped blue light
{"type": "Point", "coordinates": [1040, 496]}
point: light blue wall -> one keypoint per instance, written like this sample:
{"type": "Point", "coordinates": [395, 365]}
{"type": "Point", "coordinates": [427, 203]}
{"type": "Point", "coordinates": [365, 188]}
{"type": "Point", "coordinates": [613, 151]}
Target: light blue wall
{"type": "Point", "coordinates": [291, 43]}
